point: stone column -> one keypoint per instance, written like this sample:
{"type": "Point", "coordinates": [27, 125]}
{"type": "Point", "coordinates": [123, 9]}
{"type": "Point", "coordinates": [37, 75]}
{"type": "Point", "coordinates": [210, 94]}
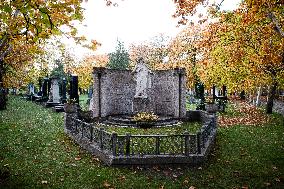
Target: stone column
{"type": "Point", "coordinates": [181, 91]}
{"type": "Point", "coordinates": [97, 92]}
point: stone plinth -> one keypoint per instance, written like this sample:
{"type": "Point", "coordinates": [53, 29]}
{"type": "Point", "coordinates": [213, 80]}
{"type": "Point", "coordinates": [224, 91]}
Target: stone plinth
{"type": "Point", "coordinates": [142, 105]}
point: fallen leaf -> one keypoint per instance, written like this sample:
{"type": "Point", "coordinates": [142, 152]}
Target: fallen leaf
{"type": "Point", "coordinates": [122, 178]}
{"type": "Point", "coordinates": [185, 182]}
{"type": "Point", "coordinates": [77, 158]}
{"type": "Point", "coordinates": [274, 168]}
{"type": "Point", "coordinates": [44, 182]}
{"type": "Point", "coordinates": [192, 187]}
{"type": "Point", "coordinates": [106, 184]}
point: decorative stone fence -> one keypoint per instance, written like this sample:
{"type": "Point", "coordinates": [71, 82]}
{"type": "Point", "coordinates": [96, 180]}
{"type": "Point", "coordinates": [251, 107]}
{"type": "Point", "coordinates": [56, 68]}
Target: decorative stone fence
{"type": "Point", "coordinates": [115, 149]}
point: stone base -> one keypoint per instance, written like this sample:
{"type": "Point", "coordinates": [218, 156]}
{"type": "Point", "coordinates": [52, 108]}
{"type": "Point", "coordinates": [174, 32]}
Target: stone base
{"type": "Point", "coordinates": [51, 104]}
{"type": "Point", "coordinates": [142, 105]}
{"type": "Point", "coordinates": [59, 108]}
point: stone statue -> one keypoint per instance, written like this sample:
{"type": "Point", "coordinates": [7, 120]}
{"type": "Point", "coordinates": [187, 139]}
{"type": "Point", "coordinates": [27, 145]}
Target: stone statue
{"type": "Point", "coordinates": [143, 79]}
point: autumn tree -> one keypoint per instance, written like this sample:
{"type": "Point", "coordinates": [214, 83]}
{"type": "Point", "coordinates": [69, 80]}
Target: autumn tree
{"type": "Point", "coordinates": [244, 48]}
{"type": "Point", "coordinates": [154, 51]}
{"type": "Point", "coordinates": [25, 23]}
{"type": "Point", "coordinates": [120, 58]}
{"type": "Point", "coordinates": [183, 53]}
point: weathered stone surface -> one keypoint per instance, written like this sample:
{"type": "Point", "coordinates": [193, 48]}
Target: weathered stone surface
{"type": "Point", "coordinates": [142, 105]}
{"type": "Point", "coordinates": [114, 92]}
{"type": "Point", "coordinates": [54, 90]}
{"type": "Point", "coordinates": [143, 79]}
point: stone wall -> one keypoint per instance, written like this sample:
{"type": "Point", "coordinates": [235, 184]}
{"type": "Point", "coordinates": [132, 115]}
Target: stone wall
{"type": "Point", "coordinates": [114, 92]}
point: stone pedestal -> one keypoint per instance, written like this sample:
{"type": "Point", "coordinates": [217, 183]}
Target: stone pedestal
{"type": "Point", "coordinates": [142, 105]}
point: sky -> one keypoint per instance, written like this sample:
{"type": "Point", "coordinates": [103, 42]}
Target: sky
{"type": "Point", "coordinates": [133, 21]}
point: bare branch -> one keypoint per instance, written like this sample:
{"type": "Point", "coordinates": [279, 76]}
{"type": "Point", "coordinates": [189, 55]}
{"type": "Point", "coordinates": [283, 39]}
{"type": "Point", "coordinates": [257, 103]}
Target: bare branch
{"type": "Point", "coordinates": [275, 21]}
{"type": "Point", "coordinates": [5, 53]}
{"type": "Point", "coordinates": [219, 6]}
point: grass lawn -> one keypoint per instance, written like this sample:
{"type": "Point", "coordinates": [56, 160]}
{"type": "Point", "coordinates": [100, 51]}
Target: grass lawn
{"type": "Point", "coordinates": [191, 127]}
{"type": "Point", "coordinates": [35, 153]}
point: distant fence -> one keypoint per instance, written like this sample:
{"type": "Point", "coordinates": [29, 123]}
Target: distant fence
{"type": "Point", "coordinates": [113, 148]}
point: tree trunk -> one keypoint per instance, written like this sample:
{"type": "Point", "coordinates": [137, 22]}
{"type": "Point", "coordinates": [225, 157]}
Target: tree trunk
{"type": "Point", "coordinates": [258, 96]}
{"type": "Point", "coordinates": [3, 98]}
{"type": "Point", "coordinates": [271, 97]}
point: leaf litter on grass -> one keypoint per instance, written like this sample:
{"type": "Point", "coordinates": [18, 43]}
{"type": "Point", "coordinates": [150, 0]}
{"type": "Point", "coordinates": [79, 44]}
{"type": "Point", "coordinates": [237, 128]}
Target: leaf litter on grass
{"type": "Point", "coordinates": [245, 114]}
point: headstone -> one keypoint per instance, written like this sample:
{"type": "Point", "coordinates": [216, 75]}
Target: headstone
{"type": "Point", "coordinates": [14, 91]}
{"type": "Point", "coordinates": [90, 92]}
{"type": "Point", "coordinates": [45, 88]}
{"type": "Point", "coordinates": [40, 87]}
{"type": "Point", "coordinates": [31, 89]}
{"type": "Point", "coordinates": [90, 97]}
{"type": "Point", "coordinates": [74, 88]}
{"type": "Point", "coordinates": [54, 97]}
{"type": "Point", "coordinates": [54, 91]}
{"type": "Point", "coordinates": [64, 98]}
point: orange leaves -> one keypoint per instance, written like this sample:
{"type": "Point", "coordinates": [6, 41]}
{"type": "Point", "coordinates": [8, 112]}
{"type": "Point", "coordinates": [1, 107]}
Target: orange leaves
{"type": "Point", "coordinates": [246, 115]}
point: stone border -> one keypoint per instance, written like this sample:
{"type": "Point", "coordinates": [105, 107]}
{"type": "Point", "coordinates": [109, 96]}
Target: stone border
{"type": "Point", "coordinates": [114, 149]}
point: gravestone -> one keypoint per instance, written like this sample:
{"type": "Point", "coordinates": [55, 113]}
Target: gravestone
{"type": "Point", "coordinates": [126, 92]}
{"type": "Point", "coordinates": [14, 91]}
{"type": "Point", "coordinates": [90, 95]}
{"type": "Point", "coordinates": [74, 88]}
{"type": "Point", "coordinates": [54, 97]}
{"type": "Point", "coordinates": [40, 87]}
{"type": "Point", "coordinates": [45, 89]}
{"type": "Point", "coordinates": [31, 89]}
{"type": "Point", "coordinates": [64, 84]}
{"type": "Point", "coordinates": [60, 107]}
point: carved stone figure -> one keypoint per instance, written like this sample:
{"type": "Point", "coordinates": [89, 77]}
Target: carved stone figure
{"type": "Point", "coordinates": [143, 79]}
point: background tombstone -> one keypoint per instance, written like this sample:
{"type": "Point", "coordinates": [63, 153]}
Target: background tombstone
{"type": "Point", "coordinates": [14, 91]}
{"type": "Point", "coordinates": [60, 107]}
{"type": "Point", "coordinates": [45, 89]}
{"type": "Point", "coordinates": [40, 87]}
{"type": "Point", "coordinates": [90, 94]}
{"type": "Point", "coordinates": [31, 89]}
{"type": "Point", "coordinates": [54, 97]}
{"type": "Point", "coordinates": [74, 88]}
{"type": "Point", "coordinates": [63, 91]}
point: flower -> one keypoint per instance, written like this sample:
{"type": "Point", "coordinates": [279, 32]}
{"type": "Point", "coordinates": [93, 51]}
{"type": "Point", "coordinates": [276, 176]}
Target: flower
{"type": "Point", "coordinates": [145, 116]}
{"type": "Point", "coordinates": [71, 101]}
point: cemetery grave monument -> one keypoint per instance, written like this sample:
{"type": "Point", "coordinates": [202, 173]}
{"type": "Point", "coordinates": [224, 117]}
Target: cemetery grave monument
{"type": "Point", "coordinates": [119, 96]}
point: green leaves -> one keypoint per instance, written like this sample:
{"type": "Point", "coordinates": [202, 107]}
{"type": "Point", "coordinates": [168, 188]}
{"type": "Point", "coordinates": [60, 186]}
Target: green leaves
{"type": "Point", "coordinates": [7, 9]}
